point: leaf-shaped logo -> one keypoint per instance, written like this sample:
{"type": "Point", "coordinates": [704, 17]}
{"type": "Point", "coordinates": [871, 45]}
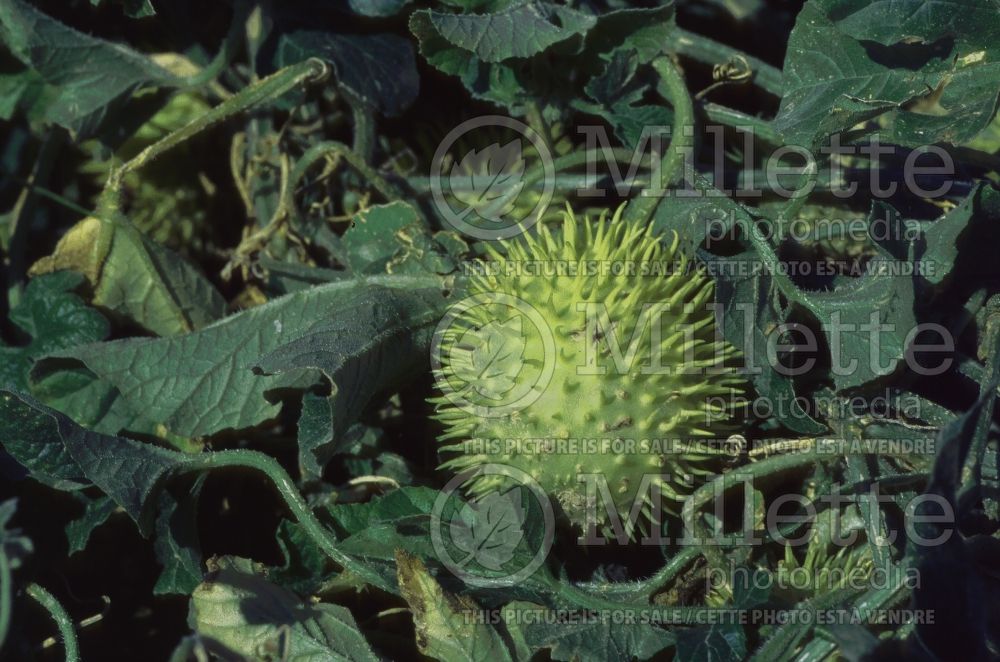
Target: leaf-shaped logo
{"type": "Point", "coordinates": [490, 359]}
{"type": "Point", "coordinates": [489, 180]}
{"type": "Point", "coordinates": [488, 531]}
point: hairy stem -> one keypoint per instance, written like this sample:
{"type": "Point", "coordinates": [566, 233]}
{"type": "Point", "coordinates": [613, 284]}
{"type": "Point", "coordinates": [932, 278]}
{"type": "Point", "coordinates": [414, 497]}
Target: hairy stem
{"type": "Point", "coordinates": [300, 510]}
{"type": "Point", "coordinates": [62, 619]}
{"type": "Point", "coordinates": [674, 89]}
{"type": "Point", "coordinates": [576, 159]}
{"type": "Point", "coordinates": [757, 127]}
{"type": "Point", "coordinates": [364, 130]}
{"type": "Point", "coordinates": [230, 48]}
{"type": "Point", "coordinates": [259, 92]}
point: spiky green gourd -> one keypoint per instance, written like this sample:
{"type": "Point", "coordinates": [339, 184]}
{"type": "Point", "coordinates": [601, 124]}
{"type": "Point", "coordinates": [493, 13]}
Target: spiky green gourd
{"type": "Point", "coordinates": [674, 397]}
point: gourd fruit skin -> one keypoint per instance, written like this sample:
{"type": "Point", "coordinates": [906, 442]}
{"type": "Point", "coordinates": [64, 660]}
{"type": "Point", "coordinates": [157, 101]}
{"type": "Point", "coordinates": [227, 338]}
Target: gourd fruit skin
{"type": "Point", "coordinates": [679, 403]}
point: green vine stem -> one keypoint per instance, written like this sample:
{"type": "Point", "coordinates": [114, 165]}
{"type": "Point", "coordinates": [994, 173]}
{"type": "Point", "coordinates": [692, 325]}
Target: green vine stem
{"type": "Point", "coordinates": [6, 597]}
{"type": "Point", "coordinates": [760, 128]}
{"type": "Point", "coordinates": [674, 89]}
{"type": "Point", "coordinates": [259, 92]}
{"type": "Point", "coordinates": [230, 48]}
{"type": "Point", "coordinates": [576, 159]}
{"type": "Point", "coordinates": [20, 214]}
{"type": "Point", "coordinates": [806, 183]}
{"type": "Point", "coordinates": [322, 150]}
{"type": "Point", "coordinates": [678, 615]}
{"type": "Point", "coordinates": [62, 619]}
{"type": "Point", "coordinates": [300, 510]}
{"type": "Point", "coordinates": [533, 114]}
{"type": "Point", "coordinates": [704, 494]}
{"type": "Point", "coordinates": [707, 51]}
{"type": "Point", "coordinates": [980, 439]}
{"type": "Point", "coordinates": [290, 184]}
{"type": "Point", "coordinates": [652, 585]}
{"type": "Point", "coordinates": [364, 129]}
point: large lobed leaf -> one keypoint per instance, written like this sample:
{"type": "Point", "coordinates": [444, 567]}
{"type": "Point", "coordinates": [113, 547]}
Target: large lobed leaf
{"type": "Point", "coordinates": [935, 65]}
{"type": "Point", "coordinates": [204, 382]}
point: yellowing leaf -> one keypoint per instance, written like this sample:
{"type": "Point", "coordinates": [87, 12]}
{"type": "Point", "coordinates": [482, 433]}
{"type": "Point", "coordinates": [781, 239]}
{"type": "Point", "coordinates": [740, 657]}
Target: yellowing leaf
{"type": "Point", "coordinates": [135, 277]}
{"type": "Point", "coordinates": [447, 625]}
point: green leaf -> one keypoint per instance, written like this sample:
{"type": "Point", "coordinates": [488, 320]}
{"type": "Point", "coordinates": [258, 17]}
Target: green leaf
{"type": "Point", "coordinates": [60, 453]}
{"type": "Point", "coordinates": [934, 65]}
{"type": "Point", "coordinates": [379, 70]}
{"type": "Point", "coordinates": [522, 82]}
{"type": "Point", "coordinates": [619, 97]}
{"type": "Point", "coordinates": [96, 511]}
{"type": "Point", "coordinates": [315, 435]}
{"type": "Point", "coordinates": [951, 583]}
{"type": "Point", "coordinates": [621, 42]}
{"type": "Point", "coordinates": [136, 277]}
{"type": "Point", "coordinates": [587, 640]}
{"type": "Point", "coordinates": [377, 7]}
{"type": "Point", "coordinates": [25, 92]}
{"type": "Point", "coordinates": [133, 8]}
{"type": "Point", "coordinates": [967, 229]}
{"type": "Point", "coordinates": [747, 295]}
{"type": "Point", "coordinates": [866, 320]}
{"type": "Point", "coordinates": [14, 545]}
{"type": "Point", "coordinates": [725, 640]}
{"type": "Point", "coordinates": [398, 506]}
{"type": "Point", "coordinates": [749, 317]}
{"type": "Point", "coordinates": [379, 338]}
{"type": "Point", "coordinates": [447, 629]}
{"type": "Point", "coordinates": [305, 567]}
{"type": "Point", "coordinates": [373, 531]}
{"type": "Point", "coordinates": [712, 642]}
{"type": "Point", "coordinates": [54, 318]}
{"type": "Point", "coordinates": [243, 614]}
{"type": "Point", "coordinates": [371, 241]}
{"type": "Point", "coordinates": [177, 545]}
{"type": "Point", "coordinates": [92, 77]}
{"type": "Point", "coordinates": [850, 314]}
{"type": "Point", "coordinates": [518, 31]}
{"type": "Point", "coordinates": [93, 403]}
{"type": "Point", "coordinates": [205, 382]}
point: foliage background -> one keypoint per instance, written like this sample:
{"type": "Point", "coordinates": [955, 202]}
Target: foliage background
{"type": "Point", "coordinates": [146, 343]}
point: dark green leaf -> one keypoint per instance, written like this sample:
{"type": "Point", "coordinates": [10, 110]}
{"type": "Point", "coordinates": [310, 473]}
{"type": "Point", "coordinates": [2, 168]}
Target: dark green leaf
{"type": "Point", "coordinates": [177, 545]}
{"type": "Point", "coordinates": [136, 277]}
{"type": "Point", "coordinates": [133, 8]}
{"type": "Point", "coordinates": [377, 7]}
{"type": "Point", "coordinates": [969, 227]}
{"type": "Point", "coordinates": [379, 70]}
{"type": "Point", "coordinates": [96, 511]}
{"type": "Point", "coordinates": [92, 77]}
{"type": "Point", "coordinates": [59, 452]}
{"type": "Point", "coordinates": [587, 640]}
{"type": "Point", "coordinates": [518, 31]}
{"type": "Point", "coordinates": [54, 318]}
{"type": "Point", "coordinates": [891, 56]}
{"type": "Point", "coordinates": [204, 382]}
